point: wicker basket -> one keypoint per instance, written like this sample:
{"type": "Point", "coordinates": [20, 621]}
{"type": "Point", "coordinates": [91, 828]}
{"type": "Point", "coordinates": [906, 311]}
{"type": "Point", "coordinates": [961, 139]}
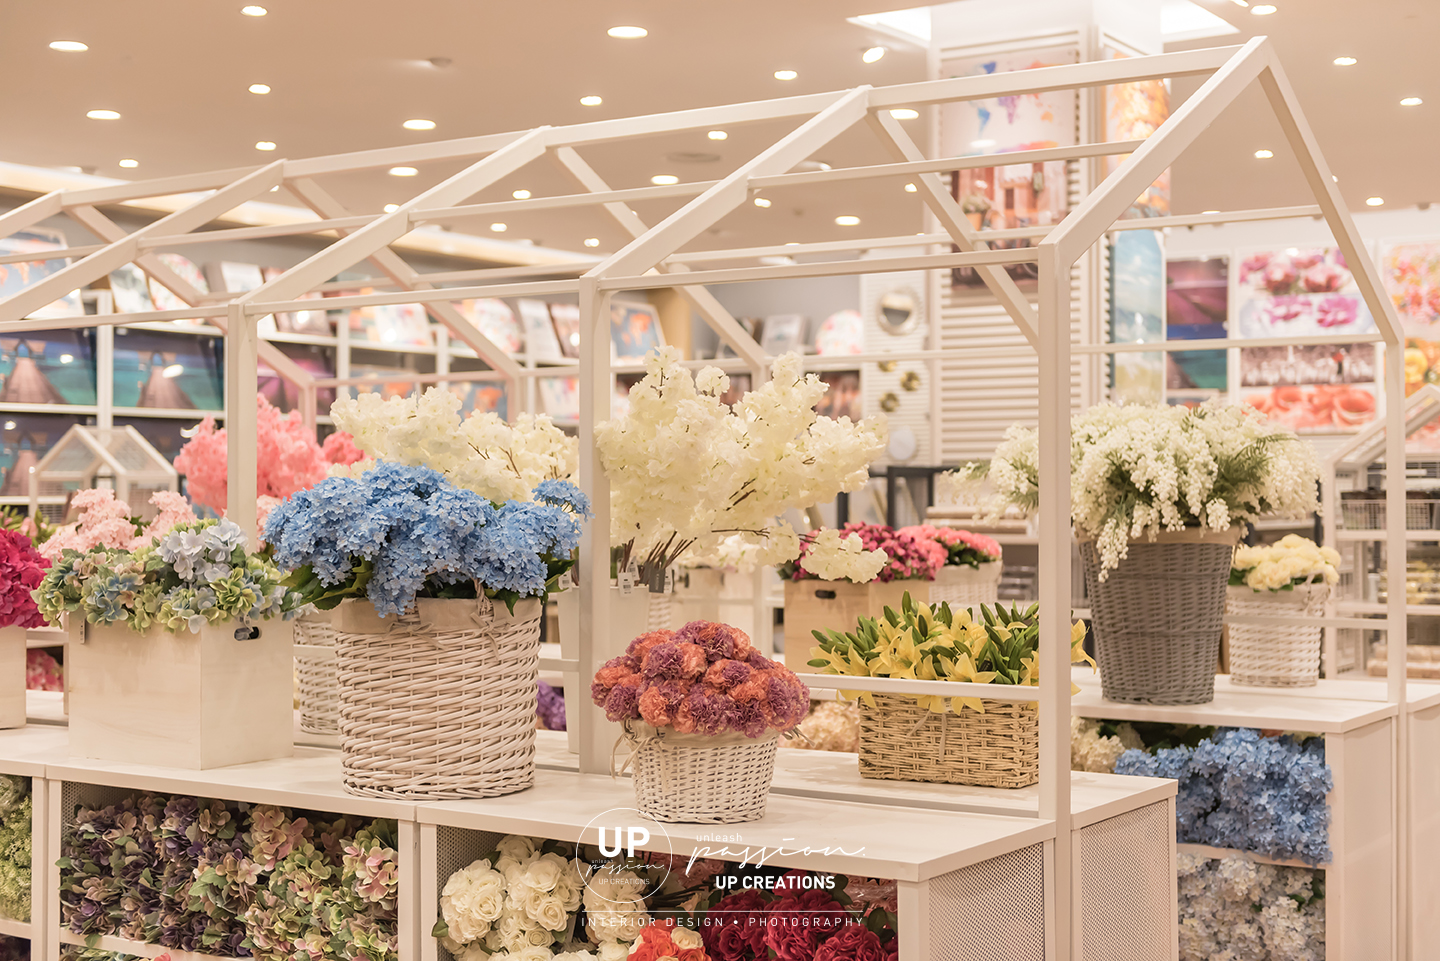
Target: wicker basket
{"type": "Point", "coordinates": [900, 741]}
{"type": "Point", "coordinates": [1276, 655]}
{"type": "Point", "coordinates": [1158, 616]}
{"type": "Point", "coordinates": [696, 779]}
{"type": "Point", "coordinates": [315, 670]}
{"type": "Point", "coordinates": [439, 703]}
{"type": "Point", "coordinates": [961, 586]}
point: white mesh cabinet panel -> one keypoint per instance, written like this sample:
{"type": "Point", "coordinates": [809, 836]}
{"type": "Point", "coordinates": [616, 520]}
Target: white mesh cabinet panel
{"type": "Point", "coordinates": [453, 849]}
{"type": "Point", "coordinates": [1126, 867]}
{"type": "Point", "coordinates": [991, 911]}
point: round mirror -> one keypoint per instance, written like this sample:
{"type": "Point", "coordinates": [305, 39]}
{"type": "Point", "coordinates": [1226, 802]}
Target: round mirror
{"type": "Point", "coordinates": [903, 444]}
{"type": "Point", "coordinates": [899, 313]}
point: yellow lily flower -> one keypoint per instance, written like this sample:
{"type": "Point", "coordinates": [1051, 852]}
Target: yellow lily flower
{"type": "Point", "coordinates": [964, 670]}
{"type": "Point", "coordinates": [1077, 646]}
{"type": "Point", "coordinates": [1030, 673]}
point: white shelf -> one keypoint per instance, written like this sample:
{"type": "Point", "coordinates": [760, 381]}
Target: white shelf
{"type": "Point", "coordinates": [15, 929]}
{"type": "Point", "coordinates": [1206, 851]}
{"type": "Point", "coordinates": [109, 942]}
{"type": "Point", "coordinates": [1370, 607]}
{"type": "Point", "coordinates": [25, 751]}
{"type": "Point", "coordinates": [1380, 535]}
{"type": "Point", "coordinates": [45, 707]}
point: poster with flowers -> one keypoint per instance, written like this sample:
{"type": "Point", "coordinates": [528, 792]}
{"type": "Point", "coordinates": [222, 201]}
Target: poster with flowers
{"type": "Point", "coordinates": [1323, 388]}
{"type": "Point", "coordinates": [1411, 273]}
{"type": "Point", "coordinates": [1133, 111]}
{"type": "Point", "coordinates": [1298, 292]}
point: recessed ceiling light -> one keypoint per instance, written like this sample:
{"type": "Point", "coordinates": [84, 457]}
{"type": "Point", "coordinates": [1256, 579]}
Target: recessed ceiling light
{"type": "Point", "coordinates": [9, 425]}
{"type": "Point", "coordinates": [717, 135]}
{"type": "Point", "coordinates": [403, 171]}
{"type": "Point", "coordinates": [1263, 9]}
{"type": "Point", "coordinates": [873, 54]}
{"type": "Point", "coordinates": [499, 228]}
{"type": "Point", "coordinates": [785, 75]}
{"type": "Point", "coordinates": [904, 113]}
{"type": "Point", "coordinates": [1345, 61]}
{"type": "Point", "coordinates": [1241, 3]}
{"type": "Point", "coordinates": [1209, 212]}
{"type": "Point", "coordinates": [1374, 201]}
{"type": "Point", "coordinates": [1264, 154]}
{"type": "Point", "coordinates": [591, 101]}
{"type": "Point", "coordinates": [846, 220]}
{"type": "Point", "coordinates": [1411, 102]}
{"type": "Point", "coordinates": [265, 145]}
{"type": "Point", "coordinates": [520, 194]}
{"type": "Point", "coordinates": [68, 46]}
{"type": "Point", "coordinates": [911, 188]}
{"type": "Point", "coordinates": [627, 33]}
{"type": "Point", "coordinates": [664, 180]}
{"type": "Point", "coordinates": [792, 243]}
{"type": "Point", "coordinates": [129, 163]}
{"type": "Point", "coordinates": [260, 88]}
{"type": "Point", "coordinates": [592, 241]}
{"type": "Point", "coordinates": [103, 114]}
{"type": "Point", "coordinates": [419, 125]}
{"type": "Point", "coordinates": [253, 11]}
{"type": "Point", "coordinates": [762, 202]}
{"type": "Point", "coordinates": [391, 208]}
{"type": "Point", "coordinates": [1334, 179]}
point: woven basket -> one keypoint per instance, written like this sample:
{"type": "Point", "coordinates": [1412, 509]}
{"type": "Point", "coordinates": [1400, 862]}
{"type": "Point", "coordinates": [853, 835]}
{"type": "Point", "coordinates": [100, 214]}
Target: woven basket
{"type": "Point", "coordinates": [900, 741]}
{"type": "Point", "coordinates": [696, 779]}
{"type": "Point", "coordinates": [439, 703]}
{"type": "Point", "coordinates": [1276, 655]}
{"type": "Point", "coordinates": [1158, 616]}
{"type": "Point", "coordinates": [315, 671]}
{"type": "Point", "coordinates": [962, 586]}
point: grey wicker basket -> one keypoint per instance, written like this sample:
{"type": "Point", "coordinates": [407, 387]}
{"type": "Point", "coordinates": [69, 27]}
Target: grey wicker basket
{"type": "Point", "coordinates": [1157, 618]}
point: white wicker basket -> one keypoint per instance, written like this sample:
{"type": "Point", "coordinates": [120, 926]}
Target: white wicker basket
{"type": "Point", "coordinates": [696, 779]}
{"type": "Point", "coordinates": [961, 586]}
{"type": "Point", "coordinates": [315, 671]}
{"type": "Point", "coordinates": [1275, 655]}
{"type": "Point", "coordinates": [439, 703]}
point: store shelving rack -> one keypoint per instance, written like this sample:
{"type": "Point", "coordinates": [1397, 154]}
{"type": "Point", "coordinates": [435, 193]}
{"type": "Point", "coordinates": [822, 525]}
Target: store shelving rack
{"type": "Point", "coordinates": [651, 261]}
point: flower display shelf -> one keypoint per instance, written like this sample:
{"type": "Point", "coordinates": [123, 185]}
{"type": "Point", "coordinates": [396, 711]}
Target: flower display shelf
{"type": "Point", "coordinates": [26, 757]}
{"type": "Point", "coordinates": [1360, 731]}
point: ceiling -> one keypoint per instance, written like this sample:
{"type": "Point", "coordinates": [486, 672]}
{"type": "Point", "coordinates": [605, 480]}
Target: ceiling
{"type": "Point", "coordinates": [345, 74]}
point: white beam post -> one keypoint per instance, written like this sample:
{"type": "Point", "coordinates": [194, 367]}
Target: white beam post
{"type": "Point", "coordinates": [241, 432]}
{"type": "Point", "coordinates": [595, 541]}
{"type": "Point", "coordinates": [30, 214]}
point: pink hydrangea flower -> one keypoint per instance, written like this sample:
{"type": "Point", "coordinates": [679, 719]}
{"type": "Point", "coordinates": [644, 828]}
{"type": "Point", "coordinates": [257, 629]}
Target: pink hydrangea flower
{"type": "Point", "coordinates": [339, 448]}
{"type": "Point", "coordinates": [287, 458]}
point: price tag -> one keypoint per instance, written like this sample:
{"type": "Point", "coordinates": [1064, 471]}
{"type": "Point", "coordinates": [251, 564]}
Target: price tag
{"type": "Point", "coordinates": [658, 580]}
{"type": "Point", "coordinates": [671, 575]}
{"type": "Point", "coordinates": [628, 578]}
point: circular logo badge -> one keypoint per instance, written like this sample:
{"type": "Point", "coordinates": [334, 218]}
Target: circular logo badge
{"type": "Point", "coordinates": [620, 872]}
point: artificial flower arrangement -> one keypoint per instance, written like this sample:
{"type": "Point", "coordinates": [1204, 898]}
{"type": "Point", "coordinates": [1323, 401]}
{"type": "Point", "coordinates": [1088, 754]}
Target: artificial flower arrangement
{"type": "Point", "coordinates": [22, 568]}
{"type": "Point", "coordinates": [395, 533]}
{"type": "Point", "coordinates": [482, 453]}
{"type": "Point", "coordinates": [43, 672]}
{"type": "Point", "coordinates": [1237, 908]}
{"type": "Point", "coordinates": [103, 521]}
{"type": "Point", "coordinates": [830, 726]}
{"type": "Point", "coordinates": [687, 471]}
{"type": "Point", "coordinates": [1138, 470]}
{"type": "Point", "coordinates": [1291, 562]}
{"type": "Point", "coordinates": [1095, 746]}
{"type": "Point", "coordinates": [962, 548]}
{"type": "Point", "coordinates": [550, 708]}
{"type": "Point", "coordinates": [194, 574]}
{"type": "Point", "coordinates": [900, 554]}
{"type": "Point", "coordinates": [16, 806]}
{"type": "Point", "coordinates": [231, 879]}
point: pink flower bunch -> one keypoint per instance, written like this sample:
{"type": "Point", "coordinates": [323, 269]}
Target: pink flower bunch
{"type": "Point", "coordinates": [703, 679]}
{"type": "Point", "coordinates": [1280, 276]}
{"type": "Point", "coordinates": [106, 522]}
{"type": "Point", "coordinates": [1324, 278]}
{"type": "Point", "coordinates": [42, 672]}
{"type": "Point", "coordinates": [961, 547]}
{"type": "Point", "coordinates": [21, 570]}
{"type": "Point", "coordinates": [910, 557]}
{"type": "Point", "coordinates": [287, 458]}
{"type": "Point", "coordinates": [1337, 310]}
{"type": "Point", "coordinates": [339, 448]}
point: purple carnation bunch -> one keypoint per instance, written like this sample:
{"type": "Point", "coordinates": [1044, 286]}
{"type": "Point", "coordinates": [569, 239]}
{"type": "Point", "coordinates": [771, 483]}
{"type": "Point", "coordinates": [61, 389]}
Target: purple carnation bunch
{"type": "Point", "coordinates": [550, 708]}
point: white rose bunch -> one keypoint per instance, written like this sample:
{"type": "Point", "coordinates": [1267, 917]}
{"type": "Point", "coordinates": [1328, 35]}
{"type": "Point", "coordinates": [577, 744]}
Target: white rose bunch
{"type": "Point", "coordinates": [482, 453]}
{"type": "Point", "coordinates": [687, 471]}
{"type": "Point", "coordinates": [614, 909]}
{"type": "Point", "coordinates": [1291, 561]}
{"type": "Point", "coordinates": [516, 904]}
{"type": "Point", "coordinates": [1095, 752]}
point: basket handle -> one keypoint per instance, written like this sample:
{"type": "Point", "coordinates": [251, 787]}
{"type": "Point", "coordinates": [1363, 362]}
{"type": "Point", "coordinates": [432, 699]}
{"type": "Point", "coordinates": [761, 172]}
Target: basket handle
{"type": "Point", "coordinates": [825, 595]}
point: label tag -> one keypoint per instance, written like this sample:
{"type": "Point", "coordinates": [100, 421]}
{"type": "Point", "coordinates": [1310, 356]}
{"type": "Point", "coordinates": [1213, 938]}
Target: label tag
{"type": "Point", "coordinates": [658, 580]}
{"type": "Point", "coordinates": [671, 576]}
{"type": "Point", "coordinates": [627, 578]}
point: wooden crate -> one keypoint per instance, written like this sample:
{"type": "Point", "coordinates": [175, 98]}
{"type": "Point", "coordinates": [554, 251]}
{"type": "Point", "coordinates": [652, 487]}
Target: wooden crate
{"type": "Point", "coordinates": [12, 677]}
{"type": "Point", "coordinates": [814, 605]}
{"type": "Point", "coordinates": [181, 700]}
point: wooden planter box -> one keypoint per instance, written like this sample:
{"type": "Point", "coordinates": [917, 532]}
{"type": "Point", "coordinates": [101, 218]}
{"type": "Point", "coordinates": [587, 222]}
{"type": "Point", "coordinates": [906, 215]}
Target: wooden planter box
{"type": "Point", "coordinates": [815, 605]}
{"type": "Point", "coordinates": [12, 677]}
{"type": "Point", "coordinates": [181, 700]}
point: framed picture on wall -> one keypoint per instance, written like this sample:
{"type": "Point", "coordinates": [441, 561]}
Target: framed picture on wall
{"type": "Point", "coordinates": [565, 318]}
{"type": "Point", "coordinates": [540, 339]}
{"type": "Point", "coordinates": [634, 330]}
{"type": "Point", "coordinates": [843, 399]}
{"type": "Point", "coordinates": [783, 333]}
{"type": "Point", "coordinates": [1197, 303]}
{"type": "Point", "coordinates": [16, 277]}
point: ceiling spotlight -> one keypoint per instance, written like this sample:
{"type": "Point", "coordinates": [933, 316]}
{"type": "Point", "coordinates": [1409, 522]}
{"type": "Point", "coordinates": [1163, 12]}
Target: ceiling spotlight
{"type": "Point", "coordinates": [391, 208]}
{"type": "Point", "coordinates": [1204, 212]}
{"type": "Point", "coordinates": [873, 54]}
{"type": "Point", "coordinates": [1264, 154]}
{"type": "Point", "coordinates": [1334, 179]}
{"type": "Point", "coordinates": [904, 113]}
{"type": "Point", "coordinates": [762, 202]}
{"type": "Point", "coordinates": [260, 88]}
{"type": "Point", "coordinates": [1241, 3]}
{"type": "Point", "coordinates": [1374, 201]}
{"type": "Point", "coordinates": [592, 241]}
{"type": "Point", "coordinates": [68, 46]}
{"type": "Point", "coordinates": [129, 163]}
{"type": "Point", "coordinates": [911, 188]}
{"type": "Point", "coordinates": [403, 171]}
{"type": "Point", "coordinates": [591, 101]}
{"type": "Point", "coordinates": [419, 125]}
{"type": "Point", "coordinates": [1411, 102]}
{"type": "Point", "coordinates": [253, 11]}
{"type": "Point", "coordinates": [1263, 9]}
{"type": "Point", "coordinates": [846, 220]}
{"type": "Point", "coordinates": [499, 228]}
{"type": "Point", "coordinates": [785, 75]}
{"type": "Point", "coordinates": [1344, 61]}
{"type": "Point", "coordinates": [265, 145]}
{"type": "Point", "coordinates": [627, 33]}
{"type": "Point", "coordinates": [520, 194]}
{"type": "Point", "coordinates": [717, 135]}
{"type": "Point", "coordinates": [664, 180]}
{"type": "Point", "coordinates": [103, 114]}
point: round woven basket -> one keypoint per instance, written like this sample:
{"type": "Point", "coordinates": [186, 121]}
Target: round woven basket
{"type": "Point", "coordinates": [315, 672]}
{"type": "Point", "coordinates": [696, 779]}
{"type": "Point", "coordinates": [962, 586]}
{"type": "Point", "coordinates": [1158, 616]}
{"type": "Point", "coordinates": [438, 703]}
{"type": "Point", "coordinates": [900, 741]}
{"type": "Point", "coordinates": [1276, 655]}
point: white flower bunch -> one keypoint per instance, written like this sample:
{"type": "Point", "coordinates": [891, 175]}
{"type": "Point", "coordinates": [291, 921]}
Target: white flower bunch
{"type": "Point", "coordinates": [1138, 470]}
{"type": "Point", "coordinates": [516, 904]}
{"type": "Point", "coordinates": [687, 471]}
{"type": "Point", "coordinates": [833, 558]}
{"type": "Point", "coordinates": [483, 453]}
{"type": "Point", "coordinates": [1237, 910]}
{"type": "Point", "coordinates": [614, 909]}
{"type": "Point", "coordinates": [1095, 752]}
{"type": "Point", "coordinates": [1291, 561]}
